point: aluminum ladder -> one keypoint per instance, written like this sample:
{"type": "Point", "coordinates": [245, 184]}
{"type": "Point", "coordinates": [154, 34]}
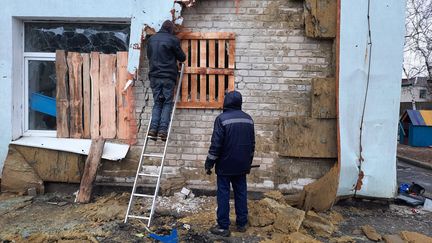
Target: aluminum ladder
{"type": "Point", "coordinates": [141, 174]}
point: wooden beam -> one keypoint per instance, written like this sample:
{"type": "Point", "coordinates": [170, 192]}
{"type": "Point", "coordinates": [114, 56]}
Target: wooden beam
{"type": "Point", "coordinates": [203, 77]}
{"type": "Point", "coordinates": [212, 64]}
{"type": "Point", "coordinates": [221, 64]}
{"type": "Point", "coordinates": [199, 105]}
{"type": "Point", "coordinates": [194, 63]}
{"type": "Point", "coordinates": [107, 94]}
{"type": "Point", "coordinates": [86, 94]}
{"type": "Point", "coordinates": [90, 170]}
{"type": "Point", "coordinates": [206, 36]}
{"type": "Point", "coordinates": [208, 70]}
{"type": "Point", "coordinates": [74, 61]}
{"type": "Point", "coordinates": [94, 77]}
{"type": "Point", "coordinates": [62, 101]}
{"type": "Point", "coordinates": [185, 81]}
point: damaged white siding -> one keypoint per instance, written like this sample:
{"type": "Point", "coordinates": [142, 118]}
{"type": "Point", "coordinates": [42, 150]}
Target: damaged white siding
{"type": "Point", "coordinates": [380, 99]}
{"type": "Point", "coordinates": [14, 12]}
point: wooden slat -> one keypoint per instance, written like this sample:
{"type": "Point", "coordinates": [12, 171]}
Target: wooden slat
{"type": "Point", "coordinates": [206, 36]}
{"type": "Point", "coordinates": [212, 64]}
{"type": "Point", "coordinates": [185, 81]}
{"type": "Point", "coordinates": [231, 84]}
{"type": "Point", "coordinates": [86, 94]}
{"type": "Point", "coordinates": [194, 63]}
{"type": "Point", "coordinates": [123, 109]}
{"type": "Point", "coordinates": [107, 96]}
{"type": "Point", "coordinates": [200, 105]}
{"type": "Point", "coordinates": [62, 101]}
{"type": "Point", "coordinates": [203, 77]}
{"type": "Point", "coordinates": [208, 70]}
{"type": "Point", "coordinates": [74, 61]}
{"type": "Point", "coordinates": [94, 76]}
{"type": "Point", "coordinates": [221, 64]}
{"type": "Point", "coordinates": [323, 102]}
{"type": "Point", "coordinates": [231, 54]}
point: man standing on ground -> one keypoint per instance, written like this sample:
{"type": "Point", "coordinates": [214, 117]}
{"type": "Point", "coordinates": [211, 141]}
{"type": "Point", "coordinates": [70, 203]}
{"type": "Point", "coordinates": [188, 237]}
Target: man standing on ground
{"type": "Point", "coordinates": [231, 150]}
{"type": "Point", "coordinates": [163, 52]}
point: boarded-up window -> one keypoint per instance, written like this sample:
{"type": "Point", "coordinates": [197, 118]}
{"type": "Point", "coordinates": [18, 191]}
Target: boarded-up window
{"type": "Point", "coordinates": [209, 70]}
{"type": "Point", "coordinates": [90, 99]}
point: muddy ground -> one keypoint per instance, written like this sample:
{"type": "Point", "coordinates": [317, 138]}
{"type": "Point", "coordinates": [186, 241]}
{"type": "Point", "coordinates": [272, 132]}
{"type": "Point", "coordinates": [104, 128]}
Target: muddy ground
{"type": "Point", "coordinates": [54, 217]}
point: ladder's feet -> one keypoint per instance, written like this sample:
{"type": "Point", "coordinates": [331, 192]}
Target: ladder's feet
{"type": "Point", "coordinates": [152, 134]}
{"type": "Point", "coordinates": [163, 135]}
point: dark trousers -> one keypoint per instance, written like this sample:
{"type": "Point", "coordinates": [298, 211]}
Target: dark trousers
{"type": "Point", "coordinates": [163, 96]}
{"type": "Point", "coordinates": [239, 186]}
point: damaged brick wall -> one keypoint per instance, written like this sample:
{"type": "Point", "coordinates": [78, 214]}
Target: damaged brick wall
{"type": "Point", "coordinates": [275, 65]}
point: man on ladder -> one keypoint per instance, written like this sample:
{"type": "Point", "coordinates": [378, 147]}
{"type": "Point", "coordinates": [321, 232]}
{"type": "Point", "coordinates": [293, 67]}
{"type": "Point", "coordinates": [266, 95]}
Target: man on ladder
{"type": "Point", "coordinates": [163, 52]}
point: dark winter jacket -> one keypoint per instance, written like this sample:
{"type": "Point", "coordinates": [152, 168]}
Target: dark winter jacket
{"type": "Point", "coordinates": [233, 140]}
{"type": "Point", "coordinates": [163, 52]}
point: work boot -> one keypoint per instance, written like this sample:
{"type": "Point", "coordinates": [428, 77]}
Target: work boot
{"type": "Point", "coordinates": [163, 135]}
{"type": "Point", "coordinates": [216, 230]}
{"type": "Point", "coordinates": [153, 135]}
{"type": "Point", "coordinates": [241, 229]}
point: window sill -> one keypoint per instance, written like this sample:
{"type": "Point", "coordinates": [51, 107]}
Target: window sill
{"type": "Point", "coordinates": [112, 151]}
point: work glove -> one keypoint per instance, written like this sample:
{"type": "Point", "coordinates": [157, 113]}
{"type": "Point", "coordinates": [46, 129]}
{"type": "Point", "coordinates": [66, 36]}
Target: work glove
{"type": "Point", "coordinates": [208, 165]}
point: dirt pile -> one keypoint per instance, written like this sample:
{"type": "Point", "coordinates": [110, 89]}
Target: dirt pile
{"type": "Point", "coordinates": [106, 208]}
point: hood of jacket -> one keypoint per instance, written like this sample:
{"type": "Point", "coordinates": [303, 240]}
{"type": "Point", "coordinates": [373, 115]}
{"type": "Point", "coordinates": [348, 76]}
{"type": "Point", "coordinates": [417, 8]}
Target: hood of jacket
{"type": "Point", "coordinates": [232, 101]}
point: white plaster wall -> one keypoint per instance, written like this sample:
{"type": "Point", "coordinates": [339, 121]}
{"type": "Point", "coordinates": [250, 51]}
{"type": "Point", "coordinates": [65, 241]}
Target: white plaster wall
{"type": "Point", "coordinates": [12, 14]}
{"type": "Point", "coordinates": [380, 122]}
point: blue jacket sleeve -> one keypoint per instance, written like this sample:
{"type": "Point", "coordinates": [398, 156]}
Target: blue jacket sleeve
{"type": "Point", "coordinates": [217, 139]}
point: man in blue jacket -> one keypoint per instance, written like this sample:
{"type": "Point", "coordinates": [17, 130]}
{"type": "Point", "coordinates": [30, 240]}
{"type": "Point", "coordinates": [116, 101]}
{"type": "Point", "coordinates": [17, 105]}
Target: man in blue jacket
{"type": "Point", "coordinates": [231, 150]}
{"type": "Point", "coordinates": [163, 52]}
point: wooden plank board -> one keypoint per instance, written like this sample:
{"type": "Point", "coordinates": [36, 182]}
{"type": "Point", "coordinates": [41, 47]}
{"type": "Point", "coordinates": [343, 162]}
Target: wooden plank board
{"type": "Point", "coordinates": [231, 54]}
{"type": "Point", "coordinates": [208, 70]}
{"type": "Point", "coordinates": [185, 81]}
{"type": "Point", "coordinates": [123, 109]}
{"type": "Point", "coordinates": [206, 36]}
{"type": "Point", "coordinates": [90, 170]}
{"type": "Point", "coordinates": [307, 137]}
{"type": "Point", "coordinates": [231, 83]}
{"type": "Point", "coordinates": [323, 101]}
{"type": "Point", "coordinates": [94, 77]}
{"type": "Point", "coordinates": [107, 93]}
{"type": "Point", "coordinates": [200, 105]}
{"type": "Point", "coordinates": [194, 63]}
{"type": "Point", "coordinates": [221, 64]}
{"type": "Point", "coordinates": [74, 61]}
{"type": "Point", "coordinates": [86, 94]}
{"type": "Point", "coordinates": [203, 77]}
{"type": "Point", "coordinates": [62, 101]}
{"type": "Point", "coordinates": [212, 64]}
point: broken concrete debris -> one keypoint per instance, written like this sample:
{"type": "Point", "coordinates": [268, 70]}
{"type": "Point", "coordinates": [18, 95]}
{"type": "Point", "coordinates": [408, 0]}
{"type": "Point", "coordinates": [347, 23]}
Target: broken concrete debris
{"type": "Point", "coordinates": [319, 225]}
{"type": "Point", "coordinates": [414, 237]}
{"type": "Point", "coordinates": [393, 239]}
{"type": "Point", "coordinates": [184, 194]}
{"type": "Point", "coordinates": [371, 233]}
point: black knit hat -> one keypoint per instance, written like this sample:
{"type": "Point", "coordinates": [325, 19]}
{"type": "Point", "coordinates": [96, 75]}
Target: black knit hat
{"type": "Point", "coordinates": [168, 26]}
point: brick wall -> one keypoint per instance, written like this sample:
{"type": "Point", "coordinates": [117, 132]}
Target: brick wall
{"type": "Point", "coordinates": [275, 63]}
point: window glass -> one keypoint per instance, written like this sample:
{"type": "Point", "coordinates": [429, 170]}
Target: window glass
{"type": "Point", "coordinates": [79, 37]}
{"type": "Point", "coordinates": [41, 93]}
{"type": "Point", "coordinates": [422, 94]}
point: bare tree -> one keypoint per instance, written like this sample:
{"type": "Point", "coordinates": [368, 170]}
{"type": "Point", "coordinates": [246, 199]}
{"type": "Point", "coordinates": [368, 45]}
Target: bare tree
{"type": "Point", "coordinates": [418, 40]}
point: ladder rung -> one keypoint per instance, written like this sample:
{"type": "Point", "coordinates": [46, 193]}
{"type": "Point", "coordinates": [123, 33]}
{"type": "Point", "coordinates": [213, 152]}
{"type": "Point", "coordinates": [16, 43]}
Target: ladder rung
{"type": "Point", "coordinates": [154, 155]}
{"type": "Point", "coordinates": [150, 175]}
{"type": "Point", "coordinates": [138, 217]}
{"type": "Point", "coordinates": [143, 195]}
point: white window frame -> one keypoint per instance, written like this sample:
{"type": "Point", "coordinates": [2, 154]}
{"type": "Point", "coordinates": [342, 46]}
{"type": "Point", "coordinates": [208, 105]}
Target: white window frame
{"type": "Point", "coordinates": [35, 56]}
